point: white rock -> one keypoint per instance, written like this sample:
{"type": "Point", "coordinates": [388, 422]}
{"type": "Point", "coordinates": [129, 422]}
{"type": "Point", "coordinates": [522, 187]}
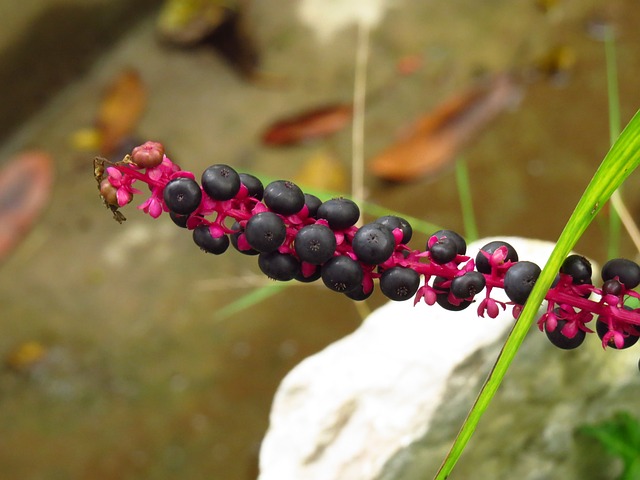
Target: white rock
{"type": "Point", "coordinates": [345, 412]}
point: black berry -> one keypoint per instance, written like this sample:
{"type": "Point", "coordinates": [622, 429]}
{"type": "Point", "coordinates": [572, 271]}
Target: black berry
{"type": "Point", "coordinates": [253, 184]}
{"type": "Point", "coordinates": [179, 220]}
{"type": "Point", "coordinates": [283, 197]}
{"type": "Point", "coordinates": [399, 283]}
{"type": "Point", "coordinates": [519, 281]}
{"type": "Point", "coordinates": [265, 232]}
{"type": "Point", "coordinates": [182, 195]}
{"type": "Point", "coordinates": [392, 222]}
{"type": "Point", "coordinates": [342, 274]}
{"type": "Point", "coordinates": [221, 182]}
{"type": "Point", "coordinates": [444, 250]}
{"type": "Point", "coordinates": [442, 298]}
{"type": "Point", "coordinates": [203, 238]}
{"type": "Point", "coordinates": [315, 244]}
{"type": "Point", "coordinates": [482, 263]}
{"type": "Point", "coordinates": [627, 271]}
{"type": "Point", "coordinates": [341, 213]}
{"type": "Point", "coordinates": [578, 267]}
{"type": "Point", "coordinates": [313, 203]}
{"type": "Point", "coordinates": [468, 285]}
{"type": "Point", "coordinates": [612, 287]}
{"type": "Point", "coordinates": [310, 277]}
{"type": "Point", "coordinates": [559, 340]}
{"type": "Point", "coordinates": [279, 266]}
{"type": "Point", "coordinates": [461, 245]}
{"type": "Point", "coordinates": [602, 329]}
{"type": "Point", "coordinates": [373, 243]}
{"type": "Point", "coordinates": [358, 294]}
{"type": "Point", "coordinates": [238, 230]}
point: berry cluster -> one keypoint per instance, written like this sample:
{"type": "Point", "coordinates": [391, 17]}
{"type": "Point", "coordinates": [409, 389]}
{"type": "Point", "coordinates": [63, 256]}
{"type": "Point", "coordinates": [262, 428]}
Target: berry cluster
{"type": "Point", "coordinates": [297, 236]}
{"type": "Point", "coordinates": [570, 308]}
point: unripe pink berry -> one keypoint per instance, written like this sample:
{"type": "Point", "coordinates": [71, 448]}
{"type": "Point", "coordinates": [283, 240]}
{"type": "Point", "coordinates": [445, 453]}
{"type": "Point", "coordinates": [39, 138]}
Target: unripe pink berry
{"type": "Point", "coordinates": [148, 155]}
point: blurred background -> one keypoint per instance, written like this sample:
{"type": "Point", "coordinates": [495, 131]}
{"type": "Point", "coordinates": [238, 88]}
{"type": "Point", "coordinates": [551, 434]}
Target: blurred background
{"type": "Point", "coordinates": [124, 352]}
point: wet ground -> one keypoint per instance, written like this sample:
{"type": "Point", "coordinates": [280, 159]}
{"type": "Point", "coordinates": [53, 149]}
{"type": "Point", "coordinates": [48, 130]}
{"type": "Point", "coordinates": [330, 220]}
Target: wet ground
{"type": "Point", "coordinates": [142, 377]}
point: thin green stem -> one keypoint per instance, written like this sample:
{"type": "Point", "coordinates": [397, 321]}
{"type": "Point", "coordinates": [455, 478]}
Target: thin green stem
{"type": "Point", "coordinates": [359, 96]}
{"type": "Point", "coordinates": [466, 203]}
{"type": "Point", "coordinates": [256, 296]}
{"type": "Point", "coordinates": [613, 96]}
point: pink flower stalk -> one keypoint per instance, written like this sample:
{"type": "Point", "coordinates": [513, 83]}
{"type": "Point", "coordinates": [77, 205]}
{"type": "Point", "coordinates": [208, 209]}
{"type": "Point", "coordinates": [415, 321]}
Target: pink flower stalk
{"type": "Point", "coordinates": [448, 276]}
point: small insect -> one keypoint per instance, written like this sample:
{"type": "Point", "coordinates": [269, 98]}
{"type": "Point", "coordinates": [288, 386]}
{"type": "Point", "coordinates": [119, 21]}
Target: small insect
{"type": "Point", "coordinates": [595, 208]}
{"type": "Point", "coordinates": [98, 169]}
{"type": "Point", "coordinates": [98, 174]}
{"type": "Point", "coordinates": [117, 214]}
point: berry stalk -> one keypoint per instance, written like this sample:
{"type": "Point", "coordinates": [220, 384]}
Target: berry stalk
{"type": "Point", "coordinates": [296, 236]}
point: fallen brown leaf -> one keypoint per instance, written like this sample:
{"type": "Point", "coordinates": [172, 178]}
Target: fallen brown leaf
{"type": "Point", "coordinates": [309, 125]}
{"type": "Point", "coordinates": [25, 188]}
{"type": "Point", "coordinates": [436, 138]}
{"type": "Point", "coordinates": [122, 106]}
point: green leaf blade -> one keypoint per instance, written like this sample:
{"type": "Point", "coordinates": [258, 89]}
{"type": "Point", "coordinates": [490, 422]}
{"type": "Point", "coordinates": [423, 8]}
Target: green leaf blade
{"type": "Point", "coordinates": [620, 161]}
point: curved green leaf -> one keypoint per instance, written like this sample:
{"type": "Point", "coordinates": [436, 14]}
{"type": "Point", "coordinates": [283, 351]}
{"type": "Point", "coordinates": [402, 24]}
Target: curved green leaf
{"type": "Point", "coordinates": [621, 160]}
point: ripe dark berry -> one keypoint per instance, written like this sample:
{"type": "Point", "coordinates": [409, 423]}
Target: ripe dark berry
{"type": "Point", "coordinates": [578, 267]}
{"type": "Point", "coordinates": [626, 270]}
{"type": "Point", "coordinates": [468, 285]}
{"type": "Point", "coordinates": [283, 197]}
{"type": "Point", "coordinates": [358, 294]}
{"type": "Point", "coordinates": [442, 298]}
{"type": "Point", "coordinates": [265, 232]}
{"type": "Point", "coordinates": [341, 213]}
{"type": "Point", "coordinates": [203, 238]}
{"type": "Point", "coordinates": [253, 184]}
{"type": "Point", "coordinates": [392, 222]}
{"type": "Point", "coordinates": [179, 220]}
{"type": "Point", "coordinates": [612, 287]}
{"type": "Point", "coordinates": [482, 262]}
{"type": "Point", "coordinates": [221, 182]}
{"type": "Point", "coordinates": [310, 277]}
{"type": "Point", "coordinates": [519, 281]}
{"type": "Point", "coordinates": [602, 329]}
{"type": "Point", "coordinates": [315, 244]}
{"type": "Point", "coordinates": [279, 266]}
{"type": "Point", "coordinates": [444, 250]}
{"type": "Point", "coordinates": [342, 274]}
{"type": "Point", "coordinates": [559, 340]}
{"type": "Point", "coordinates": [461, 245]}
{"type": "Point", "coordinates": [238, 230]}
{"type": "Point", "coordinates": [399, 283]}
{"type": "Point", "coordinates": [182, 195]}
{"type": "Point", "coordinates": [313, 203]}
{"type": "Point", "coordinates": [373, 243]}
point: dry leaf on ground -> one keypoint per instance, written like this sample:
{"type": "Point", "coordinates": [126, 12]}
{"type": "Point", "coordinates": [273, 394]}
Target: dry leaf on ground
{"type": "Point", "coordinates": [308, 125]}
{"type": "Point", "coordinates": [436, 138]}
